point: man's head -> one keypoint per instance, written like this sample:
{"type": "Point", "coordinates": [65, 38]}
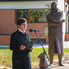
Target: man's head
{"type": "Point", "coordinates": [22, 23]}
{"type": "Point", "coordinates": [54, 6]}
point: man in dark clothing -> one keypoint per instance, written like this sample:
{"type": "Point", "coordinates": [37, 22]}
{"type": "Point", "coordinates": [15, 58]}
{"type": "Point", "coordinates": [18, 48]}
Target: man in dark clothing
{"type": "Point", "coordinates": [55, 33]}
{"type": "Point", "coordinates": [20, 56]}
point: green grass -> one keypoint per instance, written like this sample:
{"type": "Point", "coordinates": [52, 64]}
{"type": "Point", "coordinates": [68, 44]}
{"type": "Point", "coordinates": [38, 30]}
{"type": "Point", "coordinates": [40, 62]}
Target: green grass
{"type": "Point", "coordinates": [35, 53]}
{"type": "Point", "coordinates": [4, 47]}
{"type": "Point", "coordinates": [6, 55]}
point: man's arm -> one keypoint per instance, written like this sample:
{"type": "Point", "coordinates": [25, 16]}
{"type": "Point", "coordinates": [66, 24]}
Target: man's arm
{"type": "Point", "coordinates": [53, 24]}
{"type": "Point", "coordinates": [57, 18]}
{"type": "Point", "coordinates": [50, 23]}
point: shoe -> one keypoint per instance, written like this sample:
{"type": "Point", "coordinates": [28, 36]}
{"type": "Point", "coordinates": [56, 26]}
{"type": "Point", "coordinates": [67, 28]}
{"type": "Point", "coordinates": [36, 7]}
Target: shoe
{"type": "Point", "coordinates": [60, 64]}
{"type": "Point", "coordinates": [50, 64]}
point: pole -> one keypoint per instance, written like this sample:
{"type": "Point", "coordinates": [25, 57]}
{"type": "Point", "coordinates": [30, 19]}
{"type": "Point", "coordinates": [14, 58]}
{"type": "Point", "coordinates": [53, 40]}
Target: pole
{"type": "Point", "coordinates": [42, 45]}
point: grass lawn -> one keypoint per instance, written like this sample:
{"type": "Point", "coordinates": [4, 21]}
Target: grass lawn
{"type": "Point", "coordinates": [6, 55]}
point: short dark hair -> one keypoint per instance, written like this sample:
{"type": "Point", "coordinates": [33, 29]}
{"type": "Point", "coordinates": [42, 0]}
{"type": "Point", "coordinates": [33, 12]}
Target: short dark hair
{"type": "Point", "coordinates": [53, 3]}
{"type": "Point", "coordinates": [21, 20]}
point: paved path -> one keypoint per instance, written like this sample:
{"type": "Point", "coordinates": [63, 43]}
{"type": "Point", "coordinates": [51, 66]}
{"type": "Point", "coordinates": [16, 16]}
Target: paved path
{"type": "Point", "coordinates": [65, 45]}
{"type": "Point", "coordinates": [54, 66]}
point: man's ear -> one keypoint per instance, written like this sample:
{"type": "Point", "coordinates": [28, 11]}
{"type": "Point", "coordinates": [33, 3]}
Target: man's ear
{"type": "Point", "coordinates": [18, 26]}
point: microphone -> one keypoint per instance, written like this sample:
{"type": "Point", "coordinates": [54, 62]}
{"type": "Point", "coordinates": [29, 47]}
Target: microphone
{"type": "Point", "coordinates": [31, 30]}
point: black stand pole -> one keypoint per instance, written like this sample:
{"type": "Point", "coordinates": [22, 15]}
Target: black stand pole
{"type": "Point", "coordinates": [42, 45]}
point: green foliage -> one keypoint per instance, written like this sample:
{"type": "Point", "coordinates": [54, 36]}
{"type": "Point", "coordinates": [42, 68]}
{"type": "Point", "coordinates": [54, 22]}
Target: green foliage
{"type": "Point", "coordinates": [38, 15]}
{"type": "Point", "coordinates": [21, 14]}
{"type": "Point", "coordinates": [35, 15]}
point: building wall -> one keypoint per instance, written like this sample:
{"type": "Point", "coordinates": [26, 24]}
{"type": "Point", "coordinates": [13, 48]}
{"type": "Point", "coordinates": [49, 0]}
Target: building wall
{"type": "Point", "coordinates": [67, 32]}
{"type": "Point", "coordinates": [7, 21]}
{"type": "Point", "coordinates": [68, 23]}
{"type": "Point", "coordinates": [7, 18]}
{"type": "Point", "coordinates": [8, 25]}
{"type": "Point", "coordinates": [68, 19]}
{"type": "Point", "coordinates": [68, 1]}
{"type": "Point", "coordinates": [40, 27]}
{"type": "Point", "coordinates": [4, 39]}
{"type": "Point", "coordinates": [67, 37]}
{"type": "Point", "coordinates": [37, 26]}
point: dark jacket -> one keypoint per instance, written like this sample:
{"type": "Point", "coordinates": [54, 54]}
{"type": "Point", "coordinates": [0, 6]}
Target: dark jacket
{"type": "Point", "coordinates": [20, 58]}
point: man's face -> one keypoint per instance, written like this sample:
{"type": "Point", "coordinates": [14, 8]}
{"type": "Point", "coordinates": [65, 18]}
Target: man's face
{"type": "Point", "coordinates": [23, 26]}
{"type": "Point", "coordinates": [54, 6]}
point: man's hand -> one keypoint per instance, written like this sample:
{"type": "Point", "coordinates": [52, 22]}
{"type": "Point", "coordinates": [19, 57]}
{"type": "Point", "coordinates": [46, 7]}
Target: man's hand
{"type": "Point", "coordinates": [63, 21]}
{"type": "Point", "coordinates": [49, 17]}
{"type": "Point", "coordinates": [22, 47]}
{"type": "Point", "coordinates": [31, 49]}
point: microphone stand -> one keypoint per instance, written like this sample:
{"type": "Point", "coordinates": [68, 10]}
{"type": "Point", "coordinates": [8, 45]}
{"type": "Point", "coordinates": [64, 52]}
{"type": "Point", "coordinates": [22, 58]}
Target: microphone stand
{"type": "Point", "coordinates": [42, 45]}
